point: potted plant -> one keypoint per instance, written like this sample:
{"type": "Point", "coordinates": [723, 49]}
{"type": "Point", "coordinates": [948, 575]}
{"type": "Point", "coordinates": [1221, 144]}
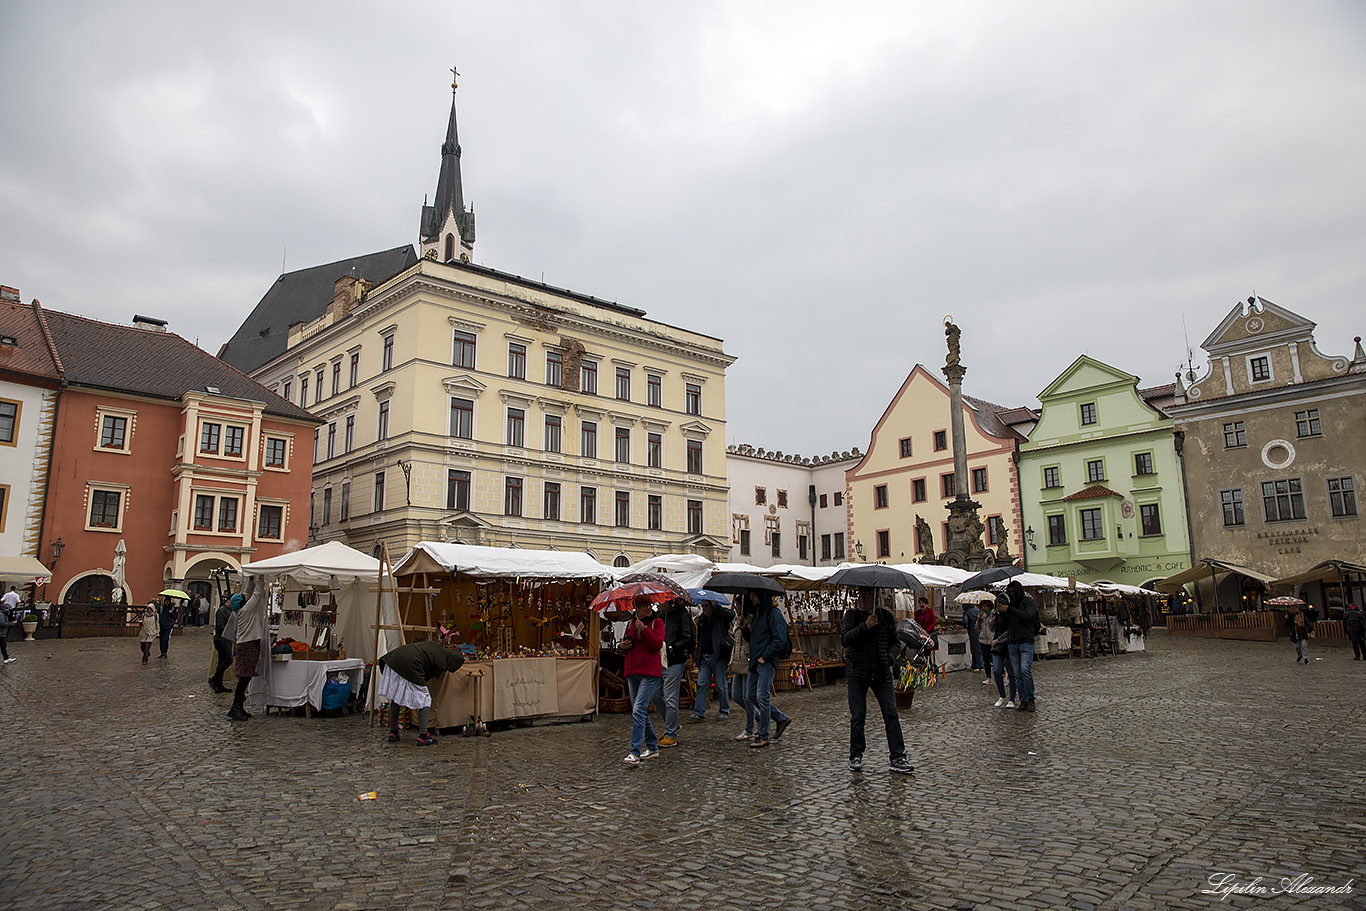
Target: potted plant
{"type": "Point", "coordinates": [30, 624]}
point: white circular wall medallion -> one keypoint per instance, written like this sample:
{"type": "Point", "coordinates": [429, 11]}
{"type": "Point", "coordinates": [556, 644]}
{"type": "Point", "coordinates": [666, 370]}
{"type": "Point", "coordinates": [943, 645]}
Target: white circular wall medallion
{"type": "Point", "coordinates": [1278, 454]}
{"type": "Point", "coordinates": [1255, 325]}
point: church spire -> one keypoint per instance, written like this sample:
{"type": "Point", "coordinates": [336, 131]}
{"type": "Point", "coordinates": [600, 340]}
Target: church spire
{"type": "Point", "coordinates": [447, 230]}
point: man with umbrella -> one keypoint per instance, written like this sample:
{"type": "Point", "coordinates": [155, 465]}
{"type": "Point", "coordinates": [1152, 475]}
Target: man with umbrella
{"type": "Point", "coordinates": [871, 645]}
{"type": "Point", "coordinates": [714, 644]}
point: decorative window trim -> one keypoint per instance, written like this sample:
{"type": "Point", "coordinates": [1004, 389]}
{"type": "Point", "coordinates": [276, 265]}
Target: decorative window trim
{"type": "Point", "coordinates": [123, 490]}
{"type": "Point", "coordinates": [256, 518]}
{"type": "Point", "coordinates": [555, 407]}
{"type": "Point", "coordinates": [1270, 368]}
{"type": "Point", "coordinates": [695, 430]}
{"type": "Point", "coordinates": [463, 386]}
{"type": "Point", "coordinates": [465, 325]}
{"type": "Point", "coordinates": [515, 399]}
{"type": "Point", "coordinates": [289, 451]}
{"type": "Point", "coordinates": [5, 491]}
{"type": "Point", "coordinates": [18, 418]}
{"type": "Point", "coordinates": [101, 412]}
{"type": "Point", "coordinates": [383, 391]}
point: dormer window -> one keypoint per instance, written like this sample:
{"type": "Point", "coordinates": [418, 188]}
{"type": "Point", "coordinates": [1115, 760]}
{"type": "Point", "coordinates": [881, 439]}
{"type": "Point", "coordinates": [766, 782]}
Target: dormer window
{"type": "Point", "coordinates": [450, 247]}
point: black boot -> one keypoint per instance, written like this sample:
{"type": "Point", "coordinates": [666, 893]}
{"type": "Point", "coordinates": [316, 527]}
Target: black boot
{"type": "Point", "coordinates": [238, 712]}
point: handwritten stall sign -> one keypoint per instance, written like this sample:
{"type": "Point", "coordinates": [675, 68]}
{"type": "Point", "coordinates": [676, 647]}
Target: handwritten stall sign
{"type": "Point", "coordinates": [523, 687]}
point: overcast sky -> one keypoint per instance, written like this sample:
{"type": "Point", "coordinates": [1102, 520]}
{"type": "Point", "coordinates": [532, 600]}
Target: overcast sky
{"type": "Point", "coordinates": [816, 183]}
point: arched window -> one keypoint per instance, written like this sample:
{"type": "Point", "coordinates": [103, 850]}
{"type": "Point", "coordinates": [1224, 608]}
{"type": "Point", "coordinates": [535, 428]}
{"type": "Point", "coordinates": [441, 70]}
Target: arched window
{"type": "Point", "coordinates": [621, 560]}
{"type": "Point", "coordinates": [450, 248]}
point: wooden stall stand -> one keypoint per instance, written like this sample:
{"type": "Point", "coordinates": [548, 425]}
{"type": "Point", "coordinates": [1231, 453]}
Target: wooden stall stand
{"type": "Point", "coordinates": [531, 644]}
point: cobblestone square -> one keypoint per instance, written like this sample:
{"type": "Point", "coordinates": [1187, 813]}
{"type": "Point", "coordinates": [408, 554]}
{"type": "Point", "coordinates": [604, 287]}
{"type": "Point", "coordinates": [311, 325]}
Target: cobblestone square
{"type": "Point", "coordinates": [1139, 777]}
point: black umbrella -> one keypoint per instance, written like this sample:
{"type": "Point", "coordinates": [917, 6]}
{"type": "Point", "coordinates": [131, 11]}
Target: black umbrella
{"type": "Point", "coordinates": [988, 577]}
{"type": "Point", "coordinates": [875, 575]}
{"type": "Point", "coordinates": [735, 583]}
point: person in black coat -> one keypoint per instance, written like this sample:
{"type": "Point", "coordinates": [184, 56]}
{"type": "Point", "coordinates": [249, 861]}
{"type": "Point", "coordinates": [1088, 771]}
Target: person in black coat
{"type": "Point", "coordinates": [1301, 624]}
{"type": "Point", "coordinates": [1022, 625]}
{"type": "Point", "coordinates": [166, 617]}
{"type": "Point", "coordinates": [714, 646]}
{"type": "Point", "coordinates": [870, 654]}
{"type": "Point", "coordinates": [1355, 625]}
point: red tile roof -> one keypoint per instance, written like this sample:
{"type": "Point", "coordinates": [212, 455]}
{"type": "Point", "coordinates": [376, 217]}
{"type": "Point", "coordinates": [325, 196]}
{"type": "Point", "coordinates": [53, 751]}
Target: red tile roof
{"type": "Point", "coordinates": [1095, 491]}
{"type": "Point", "coordinates": [150, 362]}
{"type": "Point", "coordinates": [30, 354]}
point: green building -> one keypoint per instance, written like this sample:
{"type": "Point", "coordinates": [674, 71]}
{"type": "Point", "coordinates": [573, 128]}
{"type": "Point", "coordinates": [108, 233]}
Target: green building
{"type": "Point", "coordinates": [1100, 480]}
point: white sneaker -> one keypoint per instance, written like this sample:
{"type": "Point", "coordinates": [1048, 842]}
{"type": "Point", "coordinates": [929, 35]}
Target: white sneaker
{"type": "Point", "coordinates": [1000, 703]}
{"type": "Point", "coordinates": [744, 735]}
{"type": "Point", "coordinates": [986, 682]}
{"type": "Point", "coordinates": [1010, 704]}
{"type": "Point", "coordinates": [11, 660]}
{"type": "Point", "coordinates": [648, 754]}
{"type": "Point", "coordinates": [632, 758]}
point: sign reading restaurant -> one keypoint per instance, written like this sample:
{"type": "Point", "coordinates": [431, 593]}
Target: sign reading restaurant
{"type": "Point", "coordinates": [1288, 540]}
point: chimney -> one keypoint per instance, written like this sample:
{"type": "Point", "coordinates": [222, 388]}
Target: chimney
{"type": "Point", "coordinates": [347, 291]}
{"type": "Point", "coordinates": [148, 322]}
{"type": "Point", "coordinates": [9, 294]}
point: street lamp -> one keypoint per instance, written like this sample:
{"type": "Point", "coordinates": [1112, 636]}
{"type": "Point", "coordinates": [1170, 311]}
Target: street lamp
{"type": "Point", "coordinates": [858, 550]}
{"type": "Point", "coordinates": [1029, 537]}
{"type": "Point", "coordinates": [57, 548]}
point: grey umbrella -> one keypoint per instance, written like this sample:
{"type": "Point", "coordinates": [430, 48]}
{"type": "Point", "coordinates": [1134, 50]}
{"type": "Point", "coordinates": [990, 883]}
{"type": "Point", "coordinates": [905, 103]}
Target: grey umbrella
{"type": "Point", "coordinates": [875, 575]}
{"type": "Point", "coordinates": [735, 583]}
{"type": "Point", "coordinates": [989, 577]}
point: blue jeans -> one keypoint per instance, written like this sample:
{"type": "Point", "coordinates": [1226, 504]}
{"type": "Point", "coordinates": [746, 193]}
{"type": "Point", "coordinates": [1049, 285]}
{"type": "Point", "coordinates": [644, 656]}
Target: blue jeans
{"type": "Point", "coordinates": [970, 621]}
{"type": "Point", "coordinates": [739, 693]}
{"type": "Point", "coordinates": [666, 700]}
{"type": "Point", "coordinates": [998, 665]}
{"type": "Point", "coordinates": [885, 694]}
{"type": "Point", "coordinates": [711, 668]}
{"type": "Point", "coordinates": [643, 690]}
{"type": "Point", "coordinates": [1022, 668]}
{"type": "Point", "coordinates": [759, 707]}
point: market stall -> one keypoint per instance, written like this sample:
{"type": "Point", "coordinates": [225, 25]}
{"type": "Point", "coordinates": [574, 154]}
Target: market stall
{"type": "Point", "coordinates": [520, 616]}
{"type": "Point", "coordinates": [326, 596]}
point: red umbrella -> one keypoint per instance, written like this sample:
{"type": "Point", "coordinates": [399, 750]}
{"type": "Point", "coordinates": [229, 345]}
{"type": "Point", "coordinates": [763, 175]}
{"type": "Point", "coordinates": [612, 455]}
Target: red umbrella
{"type": "Point", "coordinates": [651, 585]}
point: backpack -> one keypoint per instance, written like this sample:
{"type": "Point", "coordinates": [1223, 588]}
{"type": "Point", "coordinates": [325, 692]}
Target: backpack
{"type": "Point", "coordinates": [779, 629]}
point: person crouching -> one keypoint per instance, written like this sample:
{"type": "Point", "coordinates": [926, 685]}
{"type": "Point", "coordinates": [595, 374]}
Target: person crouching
{"type": "Point", "coordinates": [404, 674]}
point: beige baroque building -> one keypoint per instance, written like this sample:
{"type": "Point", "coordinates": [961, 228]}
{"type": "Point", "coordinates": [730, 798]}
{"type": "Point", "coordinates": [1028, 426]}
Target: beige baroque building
{"type": "Point", "coordinates": [907, 474]}
{"type": "Point", "coordinates": [466, 404]}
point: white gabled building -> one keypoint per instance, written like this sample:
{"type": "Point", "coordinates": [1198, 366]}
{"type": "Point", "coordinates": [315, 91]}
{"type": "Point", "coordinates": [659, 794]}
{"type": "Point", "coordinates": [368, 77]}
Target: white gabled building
{"type": "Point", "coordinates": [787, 508]}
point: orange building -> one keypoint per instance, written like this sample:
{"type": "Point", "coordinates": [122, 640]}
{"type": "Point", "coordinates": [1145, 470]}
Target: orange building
{"type": "Point", "coordinates": [157, 444]}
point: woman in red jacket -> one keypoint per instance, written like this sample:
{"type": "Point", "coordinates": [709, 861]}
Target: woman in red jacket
{"type": "Point", "coordinates": [643, 640]}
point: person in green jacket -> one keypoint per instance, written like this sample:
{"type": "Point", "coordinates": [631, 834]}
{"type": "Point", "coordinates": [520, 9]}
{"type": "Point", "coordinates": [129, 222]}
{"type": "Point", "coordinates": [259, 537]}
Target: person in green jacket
{"type": "Point", "coordinates": [404, 674]}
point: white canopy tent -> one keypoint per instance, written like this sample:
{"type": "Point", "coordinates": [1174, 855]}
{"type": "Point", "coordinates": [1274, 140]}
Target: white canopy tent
{"type": "Point", "coordinates": [352, 575]}
{"type": "Point", "coordinates": [688, 570]}
{"type": "Point", "coordinates": [500, 562]}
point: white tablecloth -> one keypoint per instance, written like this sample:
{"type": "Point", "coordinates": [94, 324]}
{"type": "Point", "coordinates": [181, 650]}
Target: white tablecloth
{"type": "Point", "coordinates": [292, 683]}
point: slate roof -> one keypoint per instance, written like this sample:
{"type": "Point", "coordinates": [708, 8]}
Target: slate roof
{"type": "Point", "coordinates": [993, 417]}
{"type": "Point", "coordinates": [148, 362]}
{"type": "Point", "coordinates": [30, 355]}
{"type": "Point", "coordinates": [297, 297]}
{"type": "Point", "coordinates": [1094, 492]}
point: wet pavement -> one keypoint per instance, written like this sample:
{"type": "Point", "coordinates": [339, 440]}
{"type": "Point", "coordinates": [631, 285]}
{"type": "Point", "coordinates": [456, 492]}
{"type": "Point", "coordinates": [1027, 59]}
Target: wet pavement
{"type": "Point", "coordinates": [1138, 779]}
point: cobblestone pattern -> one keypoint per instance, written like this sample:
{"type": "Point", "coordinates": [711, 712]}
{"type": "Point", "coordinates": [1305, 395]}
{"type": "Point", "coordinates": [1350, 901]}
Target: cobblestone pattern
{"type": "Point", "coordinates": [1138, 777]}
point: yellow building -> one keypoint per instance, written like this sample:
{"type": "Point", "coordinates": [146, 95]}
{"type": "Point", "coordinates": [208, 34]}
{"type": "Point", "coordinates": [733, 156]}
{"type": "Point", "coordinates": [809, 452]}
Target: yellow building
{"type": "Point", "coordinates": [907, 473]}
{"type": "Point", "coordinates": [466, 404]}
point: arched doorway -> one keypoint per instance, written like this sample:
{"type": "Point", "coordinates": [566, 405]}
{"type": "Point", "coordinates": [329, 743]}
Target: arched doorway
{"type": "Point", "coordinates": [92, 588]}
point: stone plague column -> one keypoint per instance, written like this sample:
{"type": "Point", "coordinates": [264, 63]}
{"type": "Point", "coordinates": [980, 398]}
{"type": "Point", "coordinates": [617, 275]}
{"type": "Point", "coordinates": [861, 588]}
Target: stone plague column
{"type": "Point", "coordinates": [964, 547]}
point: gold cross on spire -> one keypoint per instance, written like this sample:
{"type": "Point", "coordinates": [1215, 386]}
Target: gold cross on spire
{"type": "Point", "coordinates": [455, 74]}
